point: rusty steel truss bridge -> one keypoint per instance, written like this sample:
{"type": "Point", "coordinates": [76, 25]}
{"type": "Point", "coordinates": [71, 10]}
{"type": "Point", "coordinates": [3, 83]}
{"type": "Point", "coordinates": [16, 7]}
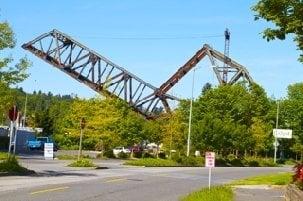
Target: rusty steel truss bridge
{"type": "Point", "coordinates": [110, 79]}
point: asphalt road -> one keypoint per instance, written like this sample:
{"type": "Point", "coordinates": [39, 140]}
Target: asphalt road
{"type": "Point", "coordinates": [56, 182]}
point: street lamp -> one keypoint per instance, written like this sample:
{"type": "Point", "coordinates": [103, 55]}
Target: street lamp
{"type": "Point", "coordinates": [190, 113]}
{"type": "Point", "coordinates": [276, 140]}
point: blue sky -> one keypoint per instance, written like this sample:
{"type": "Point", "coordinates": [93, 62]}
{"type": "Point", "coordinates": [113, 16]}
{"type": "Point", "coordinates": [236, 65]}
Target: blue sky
{"type": "Point", "coordinates": [102, 25]}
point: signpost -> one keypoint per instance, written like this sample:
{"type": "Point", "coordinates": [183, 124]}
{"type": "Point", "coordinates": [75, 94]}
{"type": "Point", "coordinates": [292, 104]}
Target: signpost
{"type": "Point", "coordinates": [280, 133]}
{"type": "Point", "coordinates": [82, 126]}
{"type": "Point", "coordinates": [12, 114]}
{"type": "Point", "coordinates": [210, 163]}
{"type": "Point", "coordinates": [49, 151]}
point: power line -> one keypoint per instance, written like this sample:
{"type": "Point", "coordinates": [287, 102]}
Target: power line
{"type": "Point", "coordinates": [151, 38]}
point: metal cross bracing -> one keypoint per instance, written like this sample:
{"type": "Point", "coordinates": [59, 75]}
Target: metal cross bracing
{"type": "Point", "coordinates": [236, 70]}
{"type": "Point", "coordinates": [109, 79]}
{"type": "Point", "coordinates": [97, 72]}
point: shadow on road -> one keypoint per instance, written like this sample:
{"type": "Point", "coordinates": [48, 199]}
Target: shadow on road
{"type": "Point", "coordinates": [50, 173]}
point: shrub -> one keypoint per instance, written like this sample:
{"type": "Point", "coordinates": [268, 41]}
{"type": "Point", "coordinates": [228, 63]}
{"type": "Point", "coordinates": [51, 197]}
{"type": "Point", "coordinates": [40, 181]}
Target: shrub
{"type": "Point", "coordinates": [257, 162]}
{"type": "Point", "coordinates": [3, 155]}
{"type": "Point", "coordinates": [147, 155]}
{"type": "Point", "coordinates": [253, 163]}
{"type": "Point", "coordinates": [190, 161]}
{"type": "Point", "coordinates": [298, 177]}
{"type": "Point", "coordinates": [66, 157]}
{"type": "Point", "coordinates": [11, 165]}
{"type": "Point", "coordinates": [220, 161]}
{"type": "Point", "coordinates": [152, 162]}
{"type": "Point", "coordinates": [281, 161]}
{"type": "Point", "coordinates": [123, 155]}
{"type": "Point", "coordinates": [109, 154]}
{"type": "Point", "coordinates": [290, 162]}
{"type": "Point", "coordinates": [162, 155]}
{"type": "Point", "coordinates": [82, 163]}
{"type": "Point", "coordinates": [138, 154]}
{"type": "Point", "coordinates": [216, 193]}
{"type": "Point", "coordinates": [236, 162]}
{"type": "Point", "coordinates": [267, 162]}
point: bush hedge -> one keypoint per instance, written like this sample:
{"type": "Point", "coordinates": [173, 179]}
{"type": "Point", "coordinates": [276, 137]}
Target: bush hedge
{"type": "Point", "coordinates": [3, 155]}
{"type": "Point", "coordinates": [152, 162]}
{"type": "Point", "coordinates": [298, 176]}
{"type": "Point", "coordinates": [82, 163]}
{"type": "Point", "coordinates": [11, 166]}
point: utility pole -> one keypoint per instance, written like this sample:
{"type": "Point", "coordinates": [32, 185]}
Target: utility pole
{"type": "Point", "coordinates": [190, 113]}
{"type": "Point", "coordinates": [82, 125]}
{"type": "Point", "coordinates": [25, 107]}
{"type": "Point", "coordinates": [276, 140]}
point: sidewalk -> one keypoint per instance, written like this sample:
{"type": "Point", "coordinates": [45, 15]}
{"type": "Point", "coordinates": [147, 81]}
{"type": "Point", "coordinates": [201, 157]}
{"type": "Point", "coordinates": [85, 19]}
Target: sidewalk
{"type": "Point", "coordinates": [259, 193]}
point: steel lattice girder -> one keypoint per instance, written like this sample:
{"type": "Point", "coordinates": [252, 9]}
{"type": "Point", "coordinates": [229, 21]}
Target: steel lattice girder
{"type": "Point", "coordinates": [235, 69]}
{"type": "Point", "coordinates": [103, 76]}
{"type": "Point", "coordinates": [97, 72]}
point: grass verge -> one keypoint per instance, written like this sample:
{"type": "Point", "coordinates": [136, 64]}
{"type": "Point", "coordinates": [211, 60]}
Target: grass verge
{"type": "Point", "coordinates": [82, 163]}
{"type": "Point", "coordinates": [67, 157]}
{"type": "Point", "coordinates": [216, 193]}
{"type": "Point", "coordinates": [269, 179]}
{"type": "Point", "coordinates": [152, 162]}
{"type": "Point", "coordinates": [10, 166]}
{"type": "Point", "coordinates": [3, 155]}
{"type": "Point", "coordinates": [225, 193]}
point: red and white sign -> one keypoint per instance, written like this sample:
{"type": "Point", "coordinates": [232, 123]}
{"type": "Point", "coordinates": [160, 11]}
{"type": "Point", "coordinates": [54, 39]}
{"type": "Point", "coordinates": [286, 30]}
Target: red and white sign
{"type": "Point", "coordinates": [210, 159]}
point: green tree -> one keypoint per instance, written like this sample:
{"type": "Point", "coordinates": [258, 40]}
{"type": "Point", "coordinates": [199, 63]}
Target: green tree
{"type": "Point", "coordinates": [10, 74]}
{"type": "Point", "coordinates": [174, 131]}
{"type": "Point", "coordinates": [229, 118]}
{"type": "Point", "coordinates": [109, 122]}
{"type": "Point", "coordinates": [286, 15]}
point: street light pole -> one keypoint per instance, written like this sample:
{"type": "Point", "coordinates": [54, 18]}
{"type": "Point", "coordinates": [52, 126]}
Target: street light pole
{"type": "Point", "coordinates": [190, 114]}
{"type": "Point", "coordinates": [276, 140]}
{"type": "Point", "coordinates": [82, 125]}
{"type": "Point", "coordinates": [25, 105]}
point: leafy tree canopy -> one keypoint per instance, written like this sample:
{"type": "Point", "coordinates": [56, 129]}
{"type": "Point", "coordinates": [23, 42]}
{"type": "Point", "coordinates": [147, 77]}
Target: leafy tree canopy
{"type": "Point", "coordinates": [9, 73]}
{"type": "Point", "coordinates": [286, 15]}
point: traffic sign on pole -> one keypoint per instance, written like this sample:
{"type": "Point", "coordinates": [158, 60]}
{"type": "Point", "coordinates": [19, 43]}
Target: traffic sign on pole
{"type": "Point", "coordinates": [282, 133]}
{"type": "Point", "coordinates": [210, 163]}
{"type": "Point", "coordinates": [13, 113]}
{"type": "Point", "coordinates": [210, 159]}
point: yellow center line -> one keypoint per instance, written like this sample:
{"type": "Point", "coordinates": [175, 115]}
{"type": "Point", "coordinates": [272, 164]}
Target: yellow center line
{"type": "Point", "coordinates": [49, 190]}
{"type": "Point", "coordinates": [115, 180]}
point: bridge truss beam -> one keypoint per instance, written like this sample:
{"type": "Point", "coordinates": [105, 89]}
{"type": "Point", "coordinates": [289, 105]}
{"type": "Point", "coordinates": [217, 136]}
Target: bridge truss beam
{"type": "Point", "coordinates": [109, 79]}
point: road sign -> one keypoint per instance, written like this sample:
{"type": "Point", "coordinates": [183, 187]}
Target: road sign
{"type": "Point", "coordinates": [210, 163]}
{"type": "Point", "coordinates": [13, 113]}
{"type": "Point", "coordinates": [82, 123]}
{"type": "Point", "coordinates": [282, 133]}
{"type": "Point", "coordinates": [49, 150]}
{"type": "Point", "coordinates": [210, 159]}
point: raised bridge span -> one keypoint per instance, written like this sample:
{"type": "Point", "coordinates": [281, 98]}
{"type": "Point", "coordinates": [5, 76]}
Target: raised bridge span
{"type": "Point", "coordinates": [110, 79]}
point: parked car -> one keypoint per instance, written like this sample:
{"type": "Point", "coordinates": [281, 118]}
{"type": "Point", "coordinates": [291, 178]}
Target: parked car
{"type": "Point", "coordinates": [136, 149]}
{"type": "Point", "coordinates": [118, 150]}
{"type": "Point", "coordinates": [33, 144]}
{"type": "Point", "coordinates": [38, 143]}
{"type": "Point", "coordinates": [47, 140]}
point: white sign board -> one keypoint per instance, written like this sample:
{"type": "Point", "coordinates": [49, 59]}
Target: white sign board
{"type": "Point", "coordinates": [48, 150]}
{"type": "Point", "coordinates": [282, 133]}
{"type": "Point", "coordinates": [210, 159]}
